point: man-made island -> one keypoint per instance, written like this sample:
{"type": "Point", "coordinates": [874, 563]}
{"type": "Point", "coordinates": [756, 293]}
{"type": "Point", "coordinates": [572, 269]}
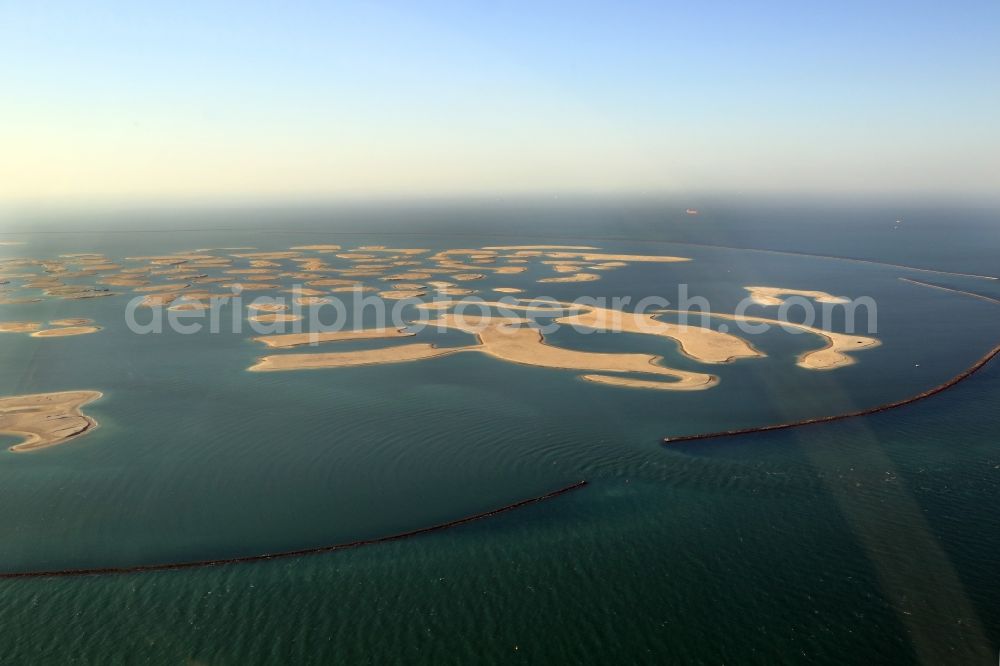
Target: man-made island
{"type": "Point", "coordinates": [46, 419]}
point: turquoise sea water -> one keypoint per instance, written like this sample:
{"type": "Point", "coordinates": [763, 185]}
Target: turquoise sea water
{"type": "Point", "coordinates": [873, 540]}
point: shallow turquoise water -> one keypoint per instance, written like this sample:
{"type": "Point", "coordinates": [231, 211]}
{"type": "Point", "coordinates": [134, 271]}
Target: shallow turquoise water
{"type": "Point", "coordinates": [871, 540]}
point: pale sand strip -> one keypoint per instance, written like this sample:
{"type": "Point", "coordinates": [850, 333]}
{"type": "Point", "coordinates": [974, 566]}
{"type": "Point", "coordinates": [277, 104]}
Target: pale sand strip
{"type": "Point", "coordinates": [289, 340]}
{"type": "Point", "coordinates": [501, 338]}
{"type": "Point", "coordinates": [65, 332]}
{"type": "Point", "coordinates": [400, 354]}
{"type": "Point", "coordinates": [576, 277]}
{"type": "Point", "coordinates": [548, 307]}
{"type": "Point", "coordinates": [46, 419]}
{"type": "Point", "coordinates": [540, 247]}
{"type": "Point", "coordinates": [832, 356]}
{"type": "Point", "coordinates": [275, 318]}
{"type": "Point", "coordinates": [598, 256]}
{"type": "Point", "coordinates": [19, 326]}
{"type": "Point", "coordinates": [267, 307]}
{"type": "Point", "coordinates": [772, 295]}
{"type": "Point", "coordinates": [401, 294]}
{"type": "Point", "coordinates": [398, 250]}
{"type": "Point", "coordinates": [701, 344]}
{"type": "Point", "coordinates": [71, 322]}
{"type": "Point", "coordinates": [628, 382]}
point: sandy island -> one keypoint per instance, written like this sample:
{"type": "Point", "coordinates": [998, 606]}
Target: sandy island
{"type": "Point", "coordinates": [833, 355]}
{"type": "Point", "coordinates": [317, 248]}
{"type": "Point", "coordinates": [80, 321]}
{"type": "Point", "coordinates": [503, 338]}
{"type": "Point", "coordinates": [399, 354]}
{"type": "Point", "coordinates": [576, 277]}
{"type": "Point", "coordinates": [540, 247]}
{"type": "Point", "coordinates": [288, 340]}
{"type": "Point", "coordinates": [267, 307]}
{"type": "Point", "coordinates": [598, 256]}
{"type": "Point", "coordinates": [772, 295]}
{"type": "Point", "coordinates": [701, 344]}
{"type": "Point", "coordinates": [274, 318]}
{"type": "Point", "coordinates": [19, 326]}
{"type": "Point", "coordinates": [46, 419]}
{"type": "Point", "coordinates": [65, 331]}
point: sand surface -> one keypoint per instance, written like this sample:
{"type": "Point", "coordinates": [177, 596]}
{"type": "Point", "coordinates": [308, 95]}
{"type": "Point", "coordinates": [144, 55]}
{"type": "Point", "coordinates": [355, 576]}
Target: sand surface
{"type": "Point", "coordinates": [46, 419]}
{"type": "Point", "coordinates": [540, 247]}
{"type": "Point", "coordinates": [289, 340]}
{"type": "Point", "coordinates": [188, 306]}
{"type": "Point", "coordinates": [701, 344]}
{"type": "Point", "coordinates": [267, 307]}
{"type": "Point", "coordinates": [576, 277]}
{"type": "Point", "coordinates": [400, 354]}
{"type": "Point", "coordinates": [71, 322]}
{"type": "Point", "coordinates": [833, 355]}
{"type": "Point", "coordinates": [598, 256]}
{"type": "Point", "coordinates": [65, 332]}
{"type": "Point", "coordinates": [630, 382]}
{"type": "Point", "coordinates": [312, 300]}
{"type": "Point", "coordinates": [772, 295]}
{"type": "Point", "coordinates": [275, 318]}
{"type": "Point", "coordinates": [19, 326]}
{"type": "Point", "coordinates": [505, 339]}
{"type": "Point", "coordinates": [401, 294]}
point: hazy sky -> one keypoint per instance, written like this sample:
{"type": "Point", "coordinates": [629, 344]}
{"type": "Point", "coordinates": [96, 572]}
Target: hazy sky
{"type": "Point", "coordinates": [170, 99]}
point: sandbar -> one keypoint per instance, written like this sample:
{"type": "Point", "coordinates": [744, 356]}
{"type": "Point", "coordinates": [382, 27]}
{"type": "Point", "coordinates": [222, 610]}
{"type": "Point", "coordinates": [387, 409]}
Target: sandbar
{"type": "Point", "coordinates": [312, 300]}
{"type": "Point", "coordinates": [157, 300]}
{"type": "Point", "coordinates": [597, 256]}
{"type": "Point", "coordinates": [505, 339]}
{"type": "Point", "coordinates": [332, 282]}
{"type": "Point", "coordinates": [65, 332]}
{"type": "Point", "coordinates": [829, 357]}
{"type": "Point", "coordinates": [302, 291]}
{"type": "Point", "coordinates": [401, 294]}
{"type": "Point", "coordinates": [188, 306]}
{"type": "Point", "coordinates": [267, 307]}
{"type": "Point", "coordinates": [275, 318]}
{"type": "Point", "coordinates": [400, 354]}
{"type": "Point", "coordinates": [701, 344]}
{"type": "Point", "coordinates": [19, 326]}
{"type": "Point", "coordinates": [71, 322]}
{"type": "Point", "coordinates": [540, 247]}
{"type": "Point", "coordinates": [576, 277]}
{"type": "Point", "coordinates": [156, 288]}
{"type": "Point", "coordinates": [288, 340]}
{"type": "Point", "coordinates": [46, 419]}
{"type": "Point", "coordinates": [772, 295]}
{"type": "Point", "coordinates": [630, 382]}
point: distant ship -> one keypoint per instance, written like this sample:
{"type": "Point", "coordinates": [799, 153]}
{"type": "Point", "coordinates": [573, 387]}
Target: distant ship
{"type": "Point", "coordinates": [691, 211]}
